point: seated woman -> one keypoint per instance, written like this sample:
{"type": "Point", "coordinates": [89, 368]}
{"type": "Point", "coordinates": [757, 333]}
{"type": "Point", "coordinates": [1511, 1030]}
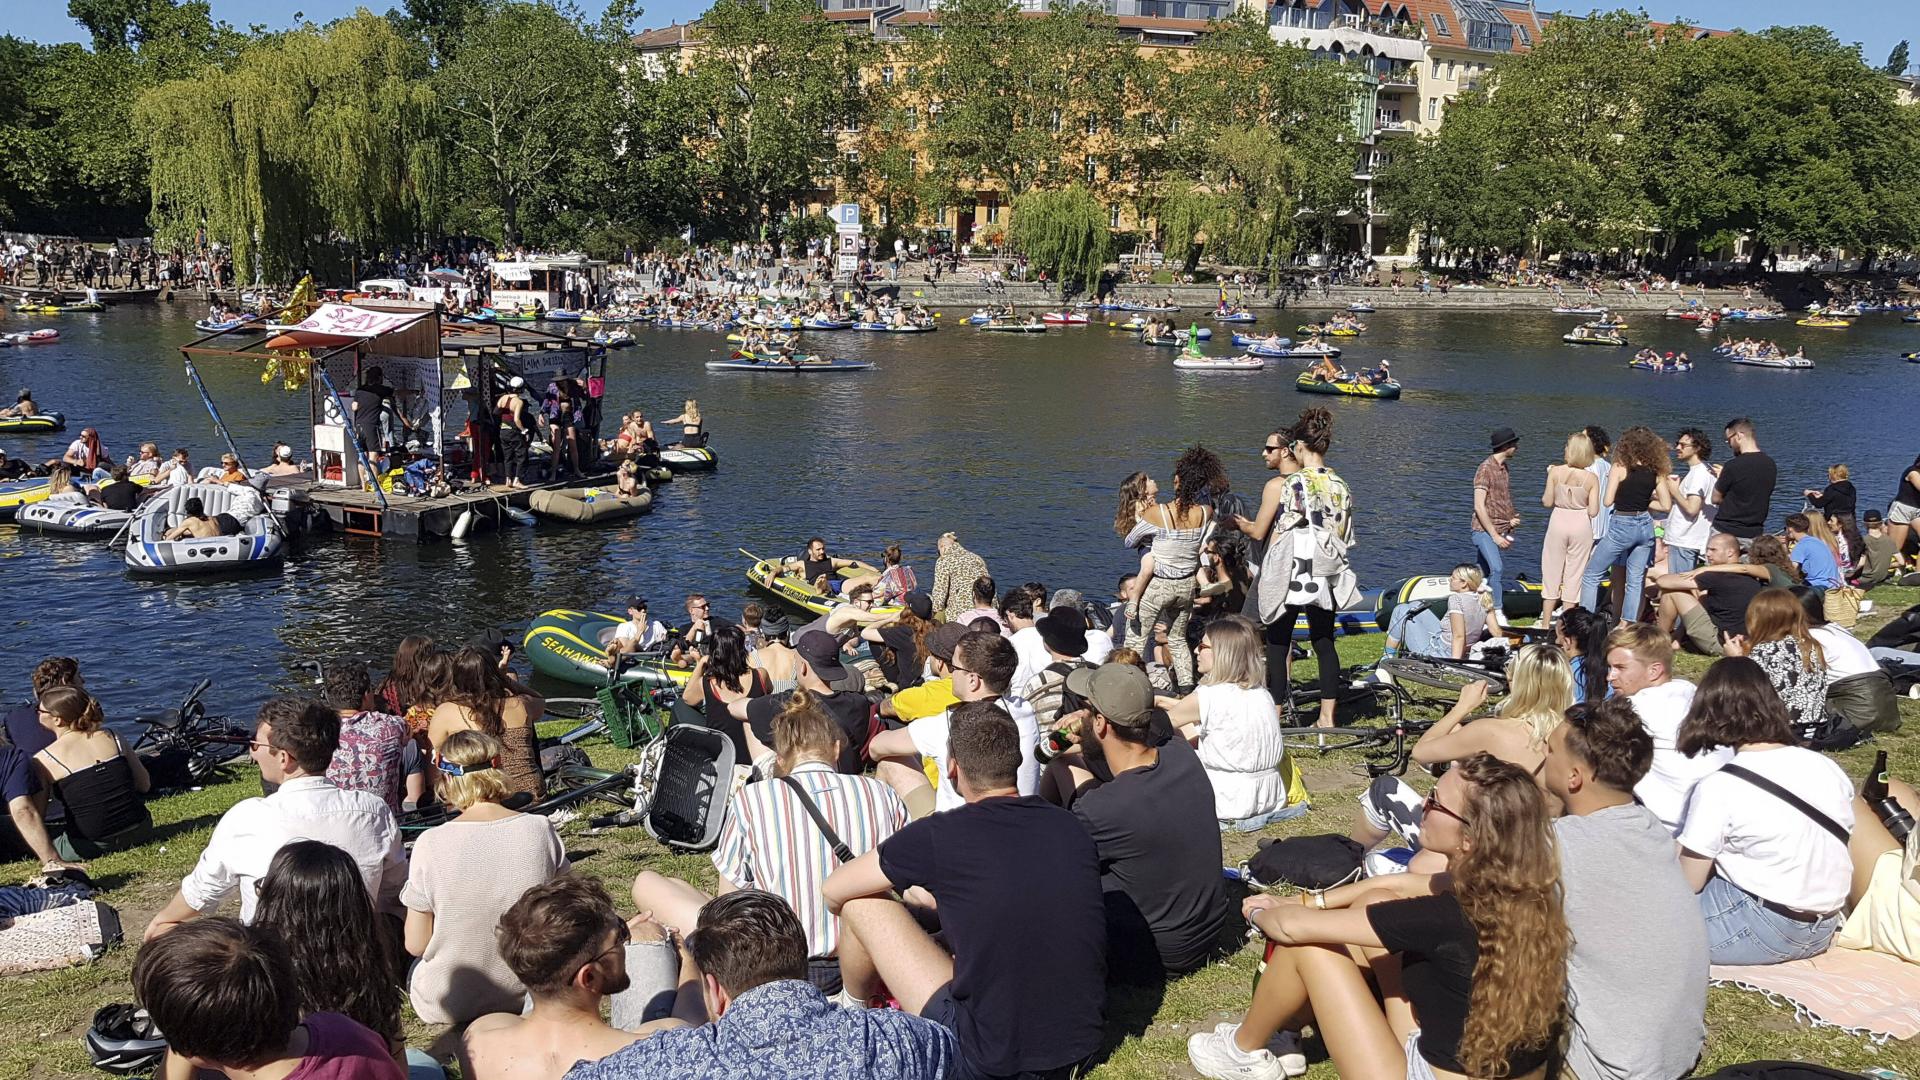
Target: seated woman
{"type": "Point", "coordinates": [1467, 982]}
{"type": "Point", "coordinates": [720, 677]}
{"type": "Point", "coordinates": [1780, 641]}
{"type": "Point", "coordinates": [1765, 840]}
{"type": "Point", "coordinates": [693, 434]}
{"type": "Point", "coordinates": [1231, 720]}
{"type": "Point", "coordinates": [891, 583]}
{"type": "Point", "coordinates": [478, 699]}
{"type": "Point", "coordinates": [452, 906]}
{"type": "Point", "coordinates": [767, 843]}
{"type": "Point", "coordinates": [1540, 689]}
{"type": "Point", "coordinates": [99, 780]}
{"type": "Point", "coordinates": [1582, 636]}
{"type": "Point", "coordinates": [1426, 635]}
{"type": "Point", "coordinates": [61, 490]}
{"type": "Point", "coordinates": [627, 483]}
{"type": "Point", "coordinates": [230, 471]}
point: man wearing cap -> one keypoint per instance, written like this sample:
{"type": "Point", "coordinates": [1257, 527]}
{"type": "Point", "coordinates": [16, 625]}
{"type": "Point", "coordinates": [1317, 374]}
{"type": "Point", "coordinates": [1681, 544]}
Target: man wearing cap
{"type": "Point", "coordinates": [1152, 823]}
{"type": "Point", "coordinates": [983, 664]}
{"type": "Point", "coordinates": [1494, 518]}
{"type": "Point", "coordinates": [820, 671]}
{"type": "Point", "coordinates": [1063, 635]}
{"type": "Point", "coordinates": [1100, 644]}
{"type": "Point", "coordinates": [637, 633]}
{"type": "Point", "coordinates": [511, 409]}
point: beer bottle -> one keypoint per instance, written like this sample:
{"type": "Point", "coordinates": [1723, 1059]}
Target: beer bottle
{"type": "Point", "coordinates": [1876, 794]}
{"type": "Point", "coordinates": [1058, 741]}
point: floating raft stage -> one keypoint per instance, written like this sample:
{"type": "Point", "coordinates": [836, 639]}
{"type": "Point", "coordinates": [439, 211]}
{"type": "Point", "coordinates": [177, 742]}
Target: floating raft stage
{"type": "Point", "coordinates": [360, 513]}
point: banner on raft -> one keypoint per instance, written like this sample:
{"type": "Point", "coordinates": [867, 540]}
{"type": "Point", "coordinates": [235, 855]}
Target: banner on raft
{"type": "Point", "coordinates": [347, 321]}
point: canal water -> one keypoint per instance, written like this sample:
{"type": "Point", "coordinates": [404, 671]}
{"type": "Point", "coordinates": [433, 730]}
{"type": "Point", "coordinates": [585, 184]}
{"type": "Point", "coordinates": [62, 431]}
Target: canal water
{"type": "Point", "coordinates": [1016, 443]}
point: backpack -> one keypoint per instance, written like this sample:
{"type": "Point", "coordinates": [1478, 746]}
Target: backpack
{"type": "Point", "coordinates": [1311, 862]}
{"type": "Point", "coordinates": [1046, 691]}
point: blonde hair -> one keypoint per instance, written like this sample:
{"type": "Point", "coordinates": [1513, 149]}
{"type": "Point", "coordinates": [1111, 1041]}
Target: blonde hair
{"type": "Point", "coordinates": [1540, 691]}
{"type": "Point", "coordinates": [1579, 451]}
{"type": "Point", "coordinates": [478, 756]}
{"type": "Point", "coordinates": [802, 731]}
{"type": "Point", "coordinates": [1837, 473]}
{"type": "Point", "coordinates": [1645, 641]}
{"type": "Point", "coordinates": [1237, 655]}
{"type": "Point", "coordinates": [1820, 529]}
{"type": "Point", "coordinates": [1471, 574]}
{"type": "Point", "coordinates": [692, 410]}
{"type": "Point", "coordinates": [59, 480]}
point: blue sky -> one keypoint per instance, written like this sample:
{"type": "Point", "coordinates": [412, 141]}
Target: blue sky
{"type": "Point", "coordinates": [1876, 24]}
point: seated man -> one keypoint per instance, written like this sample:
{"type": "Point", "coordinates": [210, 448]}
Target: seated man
{"type": "Point", "coordinates": [1000, 865]}
{"type": "Point", "coordinates": [1709, 603]}
{"type": "Point", "coordinates": [1876, 568]}
{"type": "Point", "coordinates": [372, 744]}
{"type": "Point", "coordinates": [636, 634]}
{"type": "Point", "coordinates": [24, 830]}
{"type": "Point", "coordinates": [1815, 559]}
{"type": "Point", "coordinates": [1637, 975]}
{"type": "Point", "coordinates": [983, 666]}
{"type": "Point", "coordinates": [1152, 824]}
{"type": "Point", "coordinates": [750, 956]}
{"type": "Point", "coordinates": [227, 998]}
{"type": "Point", "coordinates": [119, 492]}
{"type": "Point", "coordinates": [696, 637]}
{"type": "Point", "coordinates": [194, 524]}
{"type": "Point", "coordinates": [820, 671]}
{"type": "Point", "coordinates": [571, 950]}
{"type": "Point", "coordinates": [821, 571]}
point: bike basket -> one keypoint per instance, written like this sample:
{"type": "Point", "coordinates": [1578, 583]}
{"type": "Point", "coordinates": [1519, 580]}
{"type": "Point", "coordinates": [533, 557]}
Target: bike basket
{"type": "Point", "coordinates": [630, 718]}
{"type": "Point", "coordinates": [689, 801]}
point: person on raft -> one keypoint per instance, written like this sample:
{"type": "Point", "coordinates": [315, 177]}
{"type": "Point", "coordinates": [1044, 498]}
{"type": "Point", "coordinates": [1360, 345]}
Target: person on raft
{"type": "Point", "coordinates": [23, 405]}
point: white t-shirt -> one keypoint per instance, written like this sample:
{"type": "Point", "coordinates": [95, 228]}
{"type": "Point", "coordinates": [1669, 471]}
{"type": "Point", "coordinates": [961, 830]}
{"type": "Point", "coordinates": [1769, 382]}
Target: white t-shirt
{"type": "Point", "coordinates": [1601, 469]}
{"type": "Point", "coordinates": [1692, 532]}
{"type": "Point", "coordinates": [77, 449]}
{"type": "Point", "coordinates": [1846, 655]}
{"type": "Point", "coordinates": [930, 738]}
{"type": "Point", "coordinates": [1765, 845]}
{"type": "Point", "coordinates": [1032, 653]}
{"type": "Point", "coordinates": [1664, 789]}
{"type": "Point", "coordinates": [629, 634]}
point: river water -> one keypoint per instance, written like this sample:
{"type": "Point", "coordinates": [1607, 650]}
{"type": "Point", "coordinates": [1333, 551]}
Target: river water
{"type": "Point", "coordinates": [1017, 443]}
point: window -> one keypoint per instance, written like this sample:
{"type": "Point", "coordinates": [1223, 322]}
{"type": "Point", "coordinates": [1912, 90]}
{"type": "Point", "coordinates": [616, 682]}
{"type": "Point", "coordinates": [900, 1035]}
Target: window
{"type": "Point", "coordinates": [1450, 71]}
{"type": "Point", "coordinates": [1173, 125]}
{"type": "Point", "coordinates": [1113, 216]}
{"type": "Point", "coordinates": [1433, 108]}
{"type": "Point", "coordinates": [993, 212]}
{"type": "Point", "coordinates": [1093, 168]}
{"type": "Point", "coordinates": [940, 215]}
{"type": "Point", "coordinates": [1093, 125]}
{"type": "Point", "coordinates": [1440, 25]}
{"type": "Point", "coordinates": [1436, 67]}
{"type": "Point", "coordinates": [1056, 121]}
{"type": "Point", "coordinates": [886, 76]}
{"type": "Point", "coordinates": [853, 157]}
{"type": "Point", "coordinates": [913, 162]}
{"type": "Point", "coordinates": [913, 119]}
{"type": "Point", "coordinates": [1521, 33]}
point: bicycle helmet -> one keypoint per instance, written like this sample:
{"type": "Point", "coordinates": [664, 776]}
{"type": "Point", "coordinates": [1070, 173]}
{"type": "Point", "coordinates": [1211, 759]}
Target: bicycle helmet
{"type": "Point", "coordinates": [123, 1040]}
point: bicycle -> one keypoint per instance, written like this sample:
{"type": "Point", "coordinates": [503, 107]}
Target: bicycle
{"type": "Point", "coordinates": [1387, 747]}
{"type": "Point", "coordinates": [1445, 673]}
{"type": "Point", "coordinates": [185, 747]}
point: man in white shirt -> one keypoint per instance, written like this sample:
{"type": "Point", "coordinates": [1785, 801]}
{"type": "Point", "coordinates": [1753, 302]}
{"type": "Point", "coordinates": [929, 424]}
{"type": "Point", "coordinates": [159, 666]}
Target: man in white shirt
{"type": "Point", "coordinates": [983, 666]}
{"type": "Point", "coordinates": [1016, 610]}
{"type": "Point", "coordinates": [637, 633]}
{"type": "Point", "coordinates": [1690, 522]}
{"type": "Point", "coordinates": [1640, 669]}
{"type": "Point", "coordinates": [293, 743]}
{"type": "Point", "coordinates": [1099, 645]}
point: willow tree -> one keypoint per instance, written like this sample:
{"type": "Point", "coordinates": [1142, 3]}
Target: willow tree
{"type": "Point", "coordinates": [1063, 233]}
{"type": "Point", "coordinates": [309, 141]}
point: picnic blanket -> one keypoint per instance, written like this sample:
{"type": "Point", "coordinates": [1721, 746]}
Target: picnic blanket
{"type": "Point", "coordinates": [1861, 992]}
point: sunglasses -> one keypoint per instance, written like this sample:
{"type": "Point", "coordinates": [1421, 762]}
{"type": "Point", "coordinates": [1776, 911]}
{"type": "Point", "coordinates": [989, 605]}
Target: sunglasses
{"type": "Point", "coordinates": [256, 744]}
{"type": "Point", "coordinates": [1271, 449]}
{"type": "Point", "coordinates": [621, 935]}
{"type": "Point", "coordinates": [1434, 805]}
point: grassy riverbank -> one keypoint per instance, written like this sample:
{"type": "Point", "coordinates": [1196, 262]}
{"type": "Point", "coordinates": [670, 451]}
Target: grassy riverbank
{"type": "Point", "coordinates": [44, 1015]}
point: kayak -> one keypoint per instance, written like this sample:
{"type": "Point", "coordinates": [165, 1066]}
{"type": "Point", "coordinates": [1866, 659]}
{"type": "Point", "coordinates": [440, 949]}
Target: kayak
{"type": "Point", "coordinates": [71, 519]}
{"type": "Point", "coordinates": [800, 365]}
{"type": "Point", "coordinates": [1791, 363]}
{"type": "Point", "coordinates": [1064, 318]}
{"type": "Point", "coordinates": [570, 646]}
{"type": "Point", "coordinates": [1219, 363]}
{"type": "Point", "coordinates": [1658, 368]}
{"type": "Point", "coordinates": [689, 459]}
{"type": "Point", "coordinates": [1386, 391]}
{"type": "Point", "coordinates": [18, 425]}
{"type": "Point", "coordinates": [589, 505]}
{"type": "Point", "coordinates": [1593, 339]}
{"type": "Point", "coordinates": [766, 576]}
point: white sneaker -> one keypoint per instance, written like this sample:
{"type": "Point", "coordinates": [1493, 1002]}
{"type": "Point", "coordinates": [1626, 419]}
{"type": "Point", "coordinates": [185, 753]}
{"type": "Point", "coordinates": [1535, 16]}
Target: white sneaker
{"type": "Point", "coordinates": [1284, 1046]}
{"type": "Point", "coordinates": [1213, 1054]}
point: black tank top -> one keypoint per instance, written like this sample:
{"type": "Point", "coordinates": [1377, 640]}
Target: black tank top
{"type": "Point", "coordinates": [1635, 492]}
{"type": "Point", "coordinates": [100, 799]}
{"type": "Point", "coordinates": [818, 568]}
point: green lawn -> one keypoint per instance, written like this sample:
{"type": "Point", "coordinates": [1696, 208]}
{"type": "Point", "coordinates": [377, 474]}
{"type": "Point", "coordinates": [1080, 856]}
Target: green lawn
{"type": "Point", "coordinates": [44, 1015]}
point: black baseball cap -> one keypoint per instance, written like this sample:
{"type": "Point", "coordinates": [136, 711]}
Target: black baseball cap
{"type": "Point", "coordinates": [821, 651]}
{"type": "Point", "coordinates": [637, 602]}
{"type": "Point", "coordinates": [491, 641]}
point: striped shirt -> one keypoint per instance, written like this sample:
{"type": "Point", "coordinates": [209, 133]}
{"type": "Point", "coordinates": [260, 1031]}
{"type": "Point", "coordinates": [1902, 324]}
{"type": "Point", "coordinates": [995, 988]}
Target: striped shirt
{"type": "Point", "coordinates": [770, 843]}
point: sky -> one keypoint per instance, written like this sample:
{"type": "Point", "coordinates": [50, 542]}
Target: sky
{"type": "Point", "coordinates": [1875, 24]}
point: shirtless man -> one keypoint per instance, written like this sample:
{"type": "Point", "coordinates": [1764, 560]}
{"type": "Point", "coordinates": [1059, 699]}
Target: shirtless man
{"type": "Point", "coordinates": [195, 526]}
{"type": "Point", "coordinates": [566, 943]}
{"type": "Point", "coordinates": [24, 405]}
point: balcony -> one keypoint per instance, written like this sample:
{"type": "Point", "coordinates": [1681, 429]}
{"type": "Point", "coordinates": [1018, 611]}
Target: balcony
{"type": "Point", "coordinates": [1400, 77]}
{"type": "Point", "coordinates": [1368, 24]}
{"type": "Point", "coordinates": [1393, 126]}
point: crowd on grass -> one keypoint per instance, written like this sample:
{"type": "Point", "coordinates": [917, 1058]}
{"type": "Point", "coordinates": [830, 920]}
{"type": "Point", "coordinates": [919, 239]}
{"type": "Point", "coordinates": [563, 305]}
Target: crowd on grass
{"type": "Point", "coordinates": [944, 863]}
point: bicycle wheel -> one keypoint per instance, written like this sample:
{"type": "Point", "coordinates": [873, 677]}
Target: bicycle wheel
{"type": "Point", "coordinates": [572, 708]}
{"type": "Point", "coordinates": [1449, 675]}
{"type": "Point", "coordinates": [1327, 740]}
{"type": "Point", "coordinates": [574, 784]}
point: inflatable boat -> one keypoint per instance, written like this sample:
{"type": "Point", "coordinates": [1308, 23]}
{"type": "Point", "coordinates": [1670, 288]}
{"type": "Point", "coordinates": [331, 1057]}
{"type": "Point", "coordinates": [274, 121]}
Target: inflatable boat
{"type": "Point", "coordinates": [571, 646]}
{"type": "Point", "coordinates": [1219, 363]}
{"type": "Point", "coordinates": [1790, 363]}
{"type": "Point", "coordinates": [1274, 341]}
{"type": "Point", "coordinates": [1236, 317]}
{"type": "Point", "coordinates": [1657, 367]}
{"type": "Point", "coordinates": [1581, 337]}
{"type": "Point", "coordinates": [1305, 350]}
{"type": "Point", "coordinates": [1014, 328]}
{"type": "Point", "coordinates": [1385, 391]}
{"type": "Point", "coordinates": [61, 309]}
{"type": "Point", "coordinates": [588, 505]}
{"type": "Point", "coordinates": [1522, 600]}
{"type": "Point", "coordinates": [801, 365]}
{"type": "Point", "coordinates": [72, 519]}
{"type": "Point", "coordinates": [689, 458]}
{"type": "Point", "coordinates": [817, 323]}
{"type": "Point", "coordinates": [892, 328]}
{"type": "Point", "coordinates": [20, 425]}
{"type": "Point", "coordinates": [258, 544]}
{"type": "Point", "coordinates": [1205, 333]}
{"type": "Point", "coordinates": [1064, 318]}
{"type": "Point", "coordinates": [15, 494]}
{"type": "Point", "coordinates": [766, 576]}
{"type": "Point", "coordinates": [46, 335]}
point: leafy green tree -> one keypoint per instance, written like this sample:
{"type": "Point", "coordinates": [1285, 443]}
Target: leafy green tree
{"type": "Point", "coordinates": [309, 140]}
{"type": "Point", "coordinates": [1063, 233]}
{"type": "Point", "coordinates": [1897, 60]}
{"type": "Point", "coordinates": [529, 100]}
{"type": "Point", "coordinates": [775, 86]}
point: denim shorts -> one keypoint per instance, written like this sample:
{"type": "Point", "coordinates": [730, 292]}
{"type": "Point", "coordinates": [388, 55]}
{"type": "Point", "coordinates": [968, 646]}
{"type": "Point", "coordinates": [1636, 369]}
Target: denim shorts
{"type": "Point", "coordinates": [1742, 930]}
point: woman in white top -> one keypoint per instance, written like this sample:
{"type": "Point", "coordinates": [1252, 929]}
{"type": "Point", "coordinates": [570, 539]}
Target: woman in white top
{"type": "Point", "coordinates": [464, 876]}
{"type": "Point", "coordinates": [1765, 837]}
{"type": "Point", "coordinates": [1231, 721]}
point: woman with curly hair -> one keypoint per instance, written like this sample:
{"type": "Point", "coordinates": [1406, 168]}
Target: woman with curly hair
{"type": "Point", "coordinates": [1469, 982]}
{"type": "Point", "coordinates": [1634, 492]}
{"type": "Point", "coordinates": [1182, 527]}
{"type": "Point", "coordinates": [1780, 640]}
{"type": "Point", "coordinates": [1305, 517]}
{"type": "Point", "coordinates": [1771, 552]}
{"type": "Point", "coordinates": [1138, 494]}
